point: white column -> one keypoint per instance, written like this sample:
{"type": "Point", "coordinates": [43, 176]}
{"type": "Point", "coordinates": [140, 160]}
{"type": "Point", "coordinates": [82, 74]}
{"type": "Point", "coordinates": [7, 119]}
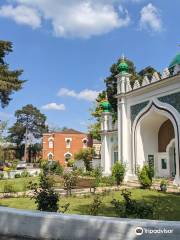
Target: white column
{"type": "Point", "coordinates": [106, 146]}
{"type": "Point", "coordinates": [123, 131]}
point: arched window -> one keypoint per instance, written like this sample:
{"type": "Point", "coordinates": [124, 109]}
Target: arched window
{"type": "Point", "coordinates": [68, 142]}
{"type": "Point", "coordinates": [67, 156]}
{"type": "Point", "coordinates": [50, 156]}
{"type": "Point", "coordinates": [85, 141]}
{"type": "Point", "coordinates": [50, 144]}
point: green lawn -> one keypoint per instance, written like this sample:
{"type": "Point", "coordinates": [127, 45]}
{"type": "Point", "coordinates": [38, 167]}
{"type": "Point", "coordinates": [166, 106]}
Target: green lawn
{"type": "Point", "coordinates": [169, 203]}
{"type": "Point", "coordinates": [18, 184]}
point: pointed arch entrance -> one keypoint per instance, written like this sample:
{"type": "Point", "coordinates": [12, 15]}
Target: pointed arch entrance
{"type": "Point", "coordinates": [156, 141]}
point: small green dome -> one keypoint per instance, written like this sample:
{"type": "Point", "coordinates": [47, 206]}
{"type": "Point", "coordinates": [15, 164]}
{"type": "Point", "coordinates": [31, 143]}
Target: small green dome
{"type": "Point", "coordinates": [175, 61]}
{"type": "Point", "coordinates": [123, 67]}
{"type": "Point", "coordinates": [106, 106]}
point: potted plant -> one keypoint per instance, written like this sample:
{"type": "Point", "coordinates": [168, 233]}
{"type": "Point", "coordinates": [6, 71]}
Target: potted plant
{"type": "Point", "coordinates": [163, 185]}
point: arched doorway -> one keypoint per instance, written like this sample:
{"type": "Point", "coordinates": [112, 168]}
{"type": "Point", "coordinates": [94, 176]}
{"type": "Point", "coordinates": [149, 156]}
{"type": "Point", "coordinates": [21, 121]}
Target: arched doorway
{"type": "Point", "coordinates": [154, 142]}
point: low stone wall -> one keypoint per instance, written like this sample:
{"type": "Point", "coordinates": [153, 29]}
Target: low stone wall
{"type": "Point", "coordinates": [42, 225]}
{"type": "Point", "coordinates": [33, 172]}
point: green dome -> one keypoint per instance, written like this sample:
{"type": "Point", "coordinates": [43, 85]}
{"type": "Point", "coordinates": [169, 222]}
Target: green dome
{"type": "Point", "coordinates": [106, 106]}
{"type": "Point", "coordinates": [175, 61]}
{"type": "Point", "coordinates": [123, 67]}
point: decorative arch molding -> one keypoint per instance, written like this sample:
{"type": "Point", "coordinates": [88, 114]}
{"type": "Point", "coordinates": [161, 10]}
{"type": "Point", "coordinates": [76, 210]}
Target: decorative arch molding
{"type": "Point", "coordinates": [67, 153]}
{"type": "Point", "coordinates": [50, 153]}
{"type": "Point", "coordinates": [164, 109]}
{"type": "Point", "coordinates": [50, 139]}
{"type": "Point", "coordinates": [171, 143]}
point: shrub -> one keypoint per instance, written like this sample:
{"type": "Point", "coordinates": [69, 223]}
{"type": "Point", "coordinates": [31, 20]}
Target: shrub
{"type": "Point", "coordinates": [25, 174]}
{"type": "Point", "coordinates": [95, 206]}
{"type": "Point", "coordinates": [55, 168]}
{"type": "Point", "coordinates": [118, 172]}
{"type": "Point", "coordinates": [97, 174]}
{"type": "Point", "coordinates": [70, 179]}
{"type": "Point", "coordinates": [1, 176]}
{"type": "Point", "coordinates": [17, 175]}
{"type": "Point", "coordinates": [129, 207]}
{"type": "Point", "coordinates": [44, 195]}
{"type": "Point", "coordinates": [107, 181]}
{"type": "Point", "coordinates": [8, 187]}
{"type": "Point", "coordinates": [163, 185]}
{"type": "Point", "coordinates": [145, 176]}
{"type": "Point", "coordinates": [70, 163]}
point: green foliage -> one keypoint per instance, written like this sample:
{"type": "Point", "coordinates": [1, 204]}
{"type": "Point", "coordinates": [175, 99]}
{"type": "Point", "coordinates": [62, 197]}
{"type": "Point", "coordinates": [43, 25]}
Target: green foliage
{"type": "Point", "coordinates": [70, 163]}
{"type": "Point", "coordinates": [97, 174]}
{"type": "Point", "coordinates": [95, 205]}
{"type": "Point", "coordinates": [17, 175]}
{"type": "Point", "coordinates": [163, 185]}
{"type": "Point", "coordinates": [107, 181]}
{"type": "Point", "coordinates": [86, 155]}
{"type": "Point", "coordinates": [9, 80]}
{"type": "Point", "coordinates": [1, 176]}
{"type": "Point", "coordinates": [53, 167]}
{"type": "Point", "coordinates": [56, 168]}
{"type": "Point", "coordinates": [94, 130]}
{"type": "Point", "coordinates": [70, 179]}
{"type": "Point", "coordinates": [44, 195]}
{"type": "Point", "coordinates": [118, 172]}
{"type": "Point", "coordinates": [145, 176]}
{"type": "Point", "coordinates": [25, 174]}
{"type": "Point", "coordinates": [131, 208]}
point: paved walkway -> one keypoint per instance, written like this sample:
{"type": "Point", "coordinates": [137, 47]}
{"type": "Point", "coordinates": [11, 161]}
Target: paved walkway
{"type": "Point", "coordinates": [13, 238]}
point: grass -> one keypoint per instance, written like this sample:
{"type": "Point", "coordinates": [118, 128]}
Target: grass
{"type": "Point", "coordinates": [169, 203]}
{"type": "Point", "coordinates": [18, 184]}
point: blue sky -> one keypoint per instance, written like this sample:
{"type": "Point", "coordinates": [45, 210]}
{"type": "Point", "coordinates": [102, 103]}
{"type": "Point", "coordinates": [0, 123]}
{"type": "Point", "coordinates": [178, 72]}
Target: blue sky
{"type": "Point", "coordinates": [66, 47]}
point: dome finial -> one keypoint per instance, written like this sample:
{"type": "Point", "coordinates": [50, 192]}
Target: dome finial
{"type": "Point", "coordinates": [105, 105]}
{"type": "Point", "coordinates": [123, 66]}
{"type": "Point", "coordinates": [122, 57]}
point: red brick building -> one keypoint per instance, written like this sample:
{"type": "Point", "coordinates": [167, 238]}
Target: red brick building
{"type": "Point", "coordinates": [61, 146]}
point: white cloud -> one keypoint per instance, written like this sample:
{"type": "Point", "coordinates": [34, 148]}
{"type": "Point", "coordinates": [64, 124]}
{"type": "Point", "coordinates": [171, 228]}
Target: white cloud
{"type": "Point", "coordinates": [150, 18]}
{"type": "Point", "coordinates": [22, 14]}
{"type": "Point", "coordinates": [79, 18]}
{"type": "Point", "coordinates": [54, 106]}
{"type": "Point", "coordinates": [86, 94]}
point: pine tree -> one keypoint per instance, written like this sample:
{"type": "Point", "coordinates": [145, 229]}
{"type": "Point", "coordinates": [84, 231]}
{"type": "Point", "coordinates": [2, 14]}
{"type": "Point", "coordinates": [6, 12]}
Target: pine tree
{"type": "Point", "coordinates": [9, 80]}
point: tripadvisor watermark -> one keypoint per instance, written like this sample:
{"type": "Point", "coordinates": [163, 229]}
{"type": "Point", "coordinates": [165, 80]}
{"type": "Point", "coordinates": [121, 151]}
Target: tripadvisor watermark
{"type": "Point", "coordinates": [139, 231]}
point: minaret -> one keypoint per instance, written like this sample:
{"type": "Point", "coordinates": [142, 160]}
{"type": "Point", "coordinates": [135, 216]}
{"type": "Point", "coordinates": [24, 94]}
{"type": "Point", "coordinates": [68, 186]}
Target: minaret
{"type": "Point", "coordinates": [106, 126]}
{"type": "Point", "coordinates": [123, 83]}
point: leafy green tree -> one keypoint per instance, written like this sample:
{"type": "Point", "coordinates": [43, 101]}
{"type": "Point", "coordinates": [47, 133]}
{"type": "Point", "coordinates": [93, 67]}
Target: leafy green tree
{"type": "Point", "coordinates": [9, 80]}
{"type": "Point", "coordinates": [86, 155]}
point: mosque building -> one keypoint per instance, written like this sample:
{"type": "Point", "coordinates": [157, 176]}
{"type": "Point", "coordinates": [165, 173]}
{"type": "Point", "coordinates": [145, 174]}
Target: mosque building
{"type": "Point", "coordinates": [147, 130]}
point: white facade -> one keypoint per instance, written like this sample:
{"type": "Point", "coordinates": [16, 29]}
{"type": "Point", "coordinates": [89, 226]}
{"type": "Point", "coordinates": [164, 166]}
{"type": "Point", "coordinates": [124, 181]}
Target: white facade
{"type": "Point", "coordinates": [142, 111]}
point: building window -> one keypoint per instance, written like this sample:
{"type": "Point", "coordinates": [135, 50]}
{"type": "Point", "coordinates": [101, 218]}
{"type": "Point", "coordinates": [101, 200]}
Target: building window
{"type": "Point", "coordinates": [67, 156]}
{"type": "Point", "coordinates": [68, 142]}
{"type": "Point", "coordinates": [85, 141]}
{"type": "Point", "coordinates": [50, 157]}
{"type": "Point", "coordinates": [164, 163]}
{"type": "Point", "coordinates": [115, 157]}
{"type": "Point", "coordinates": [51, 144]}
